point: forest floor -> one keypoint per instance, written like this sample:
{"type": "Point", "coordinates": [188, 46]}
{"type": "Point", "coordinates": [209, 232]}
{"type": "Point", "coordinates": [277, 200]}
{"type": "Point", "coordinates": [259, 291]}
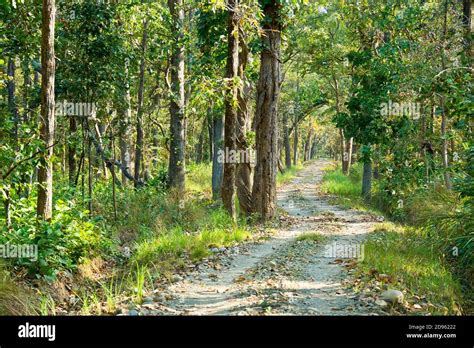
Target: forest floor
{"type": "Point", "coordinates": [303, 268]}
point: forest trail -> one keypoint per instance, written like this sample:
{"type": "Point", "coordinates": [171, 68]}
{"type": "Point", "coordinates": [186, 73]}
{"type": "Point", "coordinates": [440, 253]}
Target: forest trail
{"type": "Point", "coordinates": [281, 275]}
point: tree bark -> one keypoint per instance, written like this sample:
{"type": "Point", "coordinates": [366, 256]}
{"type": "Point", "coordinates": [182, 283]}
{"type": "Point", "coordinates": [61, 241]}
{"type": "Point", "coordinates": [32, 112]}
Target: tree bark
{"type": "Point", "coordinates": [176, 168]}
{"type": "Point", "coordinates": [228, 190]}
{"type": "Point", "coordinates": [295, 140]}
{"type": "Point", "coordinates": [347, 155]}
{"type": "Point", "coordinates": [266, 115]}
{"type": "Point", "coordinates": [200, 143]}
{"type": "Point", "coordinates": [307, 144]}
{"type": "Point", "coordinates": [367, 179]}
{"type": "Point", "coordinates": [71, 155]}
{"type": "Point", "coordinates": [444, 117]}
{"type": "Point", "coordinates": [313, 148]}
{"type": "Point", "coordinates": [217, 166]}
{"type": "Point", "coordinates": [45, 171]}
{"type": "Point", "coordinates": [286, 141]}
{"type": "Point", "coordinates": [210, 130]}
{"type": "Point", "coordinates": [466, 21]}
{"type": "Point", "coordinates": [141, 87]}
{"type": "Point", "coordinates": [125, 127]}
{"type": "Point", "coordinates": [244, 168]}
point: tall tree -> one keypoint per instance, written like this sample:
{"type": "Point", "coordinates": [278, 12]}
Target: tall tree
{"type": "Point", "coordinates": [176, 168]}
{"type": "Point", "coordinates": [244, 168]}
{"type": "Point", "coordinates": [266, 121]}
{"type": "Point", "coordinates": [228, 190]}
{"type": "Point", "coordinates": [125, 124]}
{"type": "Point", "coordinates": [45, 171]}
{"type": "Point", "coordinates": [141, 88]}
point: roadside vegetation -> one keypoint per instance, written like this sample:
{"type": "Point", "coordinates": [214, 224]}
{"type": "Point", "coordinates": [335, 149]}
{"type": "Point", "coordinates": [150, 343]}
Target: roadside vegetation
{"type": "Point", "coordinates": [424, 249]}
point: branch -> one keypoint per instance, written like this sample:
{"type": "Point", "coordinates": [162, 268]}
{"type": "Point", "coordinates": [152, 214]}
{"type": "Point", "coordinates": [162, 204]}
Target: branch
{"type": "Point", "coordinates": [109, 162]}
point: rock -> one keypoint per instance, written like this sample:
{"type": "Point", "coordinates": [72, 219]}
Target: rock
{"type": "Point", "coordinates": [133, 312]}
{"type": "Point", "coordinates": [381, 303]}
{"type": "Point", "coordinates": [176, 278]}
{"type": "Point", "coordinates": [392, 296]}
{"type": "Point", "coordinates": [148, 300]}
{"type": "Point", "coordinates": [416, 306]}
{"type": "Point", "coordinates": [159, 298]}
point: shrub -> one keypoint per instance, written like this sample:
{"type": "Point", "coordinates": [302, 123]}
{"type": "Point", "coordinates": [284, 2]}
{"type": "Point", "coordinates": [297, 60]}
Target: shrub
{"type": "Point", "coordinates": [63, 242]}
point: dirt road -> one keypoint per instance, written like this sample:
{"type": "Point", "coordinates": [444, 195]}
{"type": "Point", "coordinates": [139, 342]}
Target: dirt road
{"type": "Point", "coordinates": [282, 275]}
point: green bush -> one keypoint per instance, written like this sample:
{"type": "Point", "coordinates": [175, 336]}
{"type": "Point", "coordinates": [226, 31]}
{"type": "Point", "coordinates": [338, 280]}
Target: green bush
{"type": "Point", "coordinates": [62, 243]}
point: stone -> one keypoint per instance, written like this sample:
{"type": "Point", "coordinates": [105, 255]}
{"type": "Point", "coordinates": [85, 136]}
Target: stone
{"type": "Point", "coordinates": [133, 312]}
{"type": "Point", "coordinates": [176, 278]}
{"type": "Point", "coordinates": [381, 303]}
{"type": "Point", "coordinates": [148, 300]}
{"type": "Point", "coordinates": [392, 296]}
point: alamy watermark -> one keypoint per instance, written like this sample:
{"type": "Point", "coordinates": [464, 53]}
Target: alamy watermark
{"type": "Point", "coordinates": [408, 109]}
{"type": "Point", "coordinates": [65, 108]}
{"type": "Point", "coordinates": [19, 251]}
{"type": "Point", "coordinates": [340, 250]}
{"type": "Point", "coordinates": [236, 156]}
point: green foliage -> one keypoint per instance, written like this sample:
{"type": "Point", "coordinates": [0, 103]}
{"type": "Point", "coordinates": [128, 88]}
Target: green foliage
{"type": "Point", "coordinates": [408, 258]}
{"type": "Point", "coordinates": [62, 243]}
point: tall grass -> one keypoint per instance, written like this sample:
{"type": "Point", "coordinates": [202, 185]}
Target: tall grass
{"type": "Point", "coordinates": [14, 299]}
{"type": "Point", "coordinates": [438, 246]}
{"type": "Point", "coordinates": [413, 265]}
{"type": "Point", "coordinates": [288, 175]}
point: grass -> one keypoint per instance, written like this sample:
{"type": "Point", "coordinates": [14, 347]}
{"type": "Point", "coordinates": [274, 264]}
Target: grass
{"type": "Point", "coordinates": [402, 253]}
{"type": "Point", "coordinates": [176, 244]}
{"type": "Point", "coordinates": [414, 256]}
{"type": "Point", "coordinates": [14, 299]}
{"type": "Point", "coordinates": [288, 175]}
{"type": "Point", "coordinates": [311, 236]}
{"type": "Point", "coordinates": [163, 235]}
{"type": "Point", "coordinates": [346, 190]}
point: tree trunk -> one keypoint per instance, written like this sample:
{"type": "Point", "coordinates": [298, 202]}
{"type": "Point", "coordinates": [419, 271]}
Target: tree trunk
{"type": "Point", "coordinates": [444, 117]}
{"type": "Point", "coordinates": [286, 141]}
{"type": "Point", "coordinates": [367, 179]}
{"type": "Point", "coordinates": [200, 143]}
{"type": "Point", "coordinates": [313, 149]}
{"type": "Point", "coordinates": [228, 190]}
{"type": "Point", "coordinates": [210, 130]}
{"type": "Point", "coordinates": [12, 107]}
{"type": "Point", "coordinates": [295, 141]}
{"type": "Point", "coordinates": [307, 144]}
{"type": "Point", "coordinates": [445, 145]}
{"type": "Point", "coordinates": [266, 115]}
{"type": "Point", "coordinates": [342, 145]}
{"type": "Point", "coordinates": [217, 166]}
{"type": "Point", "coordinates": [176, 168]}
{"type": "Point", "coordinates": [141, 86]}
{"type": "Point", "coordinates": [466, 21]}
{"type": "Point", "coordinates": [125, 127]}
{"type": "Point", "coordinates": [45, 172]}
{"type": "Point", "coordinates": [346, 157]}
{"type": "Point", "coordinates": [244, 168]}
{"type": "Point", "coordinates": [72, 151]}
